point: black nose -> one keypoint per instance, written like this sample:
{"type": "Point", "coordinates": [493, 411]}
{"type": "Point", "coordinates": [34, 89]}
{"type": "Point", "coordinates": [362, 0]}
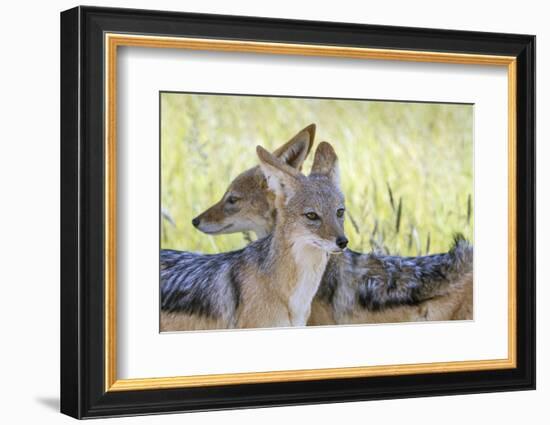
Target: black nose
{"type": "Point", "coordinates": [196, 221]}
{"type": "Point", "coordinates": [341, 241]}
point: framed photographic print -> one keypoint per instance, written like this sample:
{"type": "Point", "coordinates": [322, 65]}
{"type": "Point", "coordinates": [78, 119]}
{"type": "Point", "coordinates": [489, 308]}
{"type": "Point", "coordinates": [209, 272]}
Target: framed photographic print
{"type": "Point", "coordinates": [261, 212]}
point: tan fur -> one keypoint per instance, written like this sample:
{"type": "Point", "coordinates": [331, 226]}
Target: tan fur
{"type": "Point", "coordinates": [176, 321]}
{"type": "Point", "coordinates": [274, 292]}
{"type": "Point", "coordinates": [265, 298]}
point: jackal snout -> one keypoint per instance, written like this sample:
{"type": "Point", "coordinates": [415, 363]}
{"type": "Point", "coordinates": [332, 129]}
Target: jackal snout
{"type": "Point", "coordinates": [342, 242]}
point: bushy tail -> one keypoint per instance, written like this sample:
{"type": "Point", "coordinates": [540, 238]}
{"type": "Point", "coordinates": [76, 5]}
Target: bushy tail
{"type": "Point", "coordinates": [386, 281]}
{"type": "Point", "coordinates": [461, 257]}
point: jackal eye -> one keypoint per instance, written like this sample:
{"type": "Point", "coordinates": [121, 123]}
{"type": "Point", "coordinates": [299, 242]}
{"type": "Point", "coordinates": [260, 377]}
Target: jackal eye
{"type": "Point", "coordinates": [312, 216]}
{"type": "Point", "coordinates": [340, 212]}
{"type": "Point", "coordinates": [232, 200]}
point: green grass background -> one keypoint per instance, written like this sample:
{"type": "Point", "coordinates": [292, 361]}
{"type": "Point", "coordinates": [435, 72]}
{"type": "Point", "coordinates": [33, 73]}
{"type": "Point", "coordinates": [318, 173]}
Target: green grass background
{"type": "Point", "coordinates": [407, 168]}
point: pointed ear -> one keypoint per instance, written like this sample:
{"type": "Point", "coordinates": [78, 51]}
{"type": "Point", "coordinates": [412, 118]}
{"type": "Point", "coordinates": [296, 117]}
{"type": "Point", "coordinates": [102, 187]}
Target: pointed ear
{"type": "Point", "coordinates": [281, 178]}
{"type": "Point", "coordinates": [326, 163]}
{"type": "Point", "coordinates": [295, 151]}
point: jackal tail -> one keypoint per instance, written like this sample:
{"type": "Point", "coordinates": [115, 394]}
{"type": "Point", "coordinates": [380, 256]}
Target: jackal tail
{"type": "Point", "coordinates": [382, 281]}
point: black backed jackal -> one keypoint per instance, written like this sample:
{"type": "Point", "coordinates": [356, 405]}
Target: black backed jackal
{"type": "Point", "coordinates": [272, 281]}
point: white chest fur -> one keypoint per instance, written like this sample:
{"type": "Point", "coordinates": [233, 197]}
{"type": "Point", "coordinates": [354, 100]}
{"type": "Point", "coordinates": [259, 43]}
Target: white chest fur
{"type": "Point", "coordinates": [310, 263]}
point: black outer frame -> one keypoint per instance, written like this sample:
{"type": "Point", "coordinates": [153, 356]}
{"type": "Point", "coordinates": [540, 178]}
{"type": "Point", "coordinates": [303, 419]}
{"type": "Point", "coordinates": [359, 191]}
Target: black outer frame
{"type": "Point", "coordinates": [82, 206]}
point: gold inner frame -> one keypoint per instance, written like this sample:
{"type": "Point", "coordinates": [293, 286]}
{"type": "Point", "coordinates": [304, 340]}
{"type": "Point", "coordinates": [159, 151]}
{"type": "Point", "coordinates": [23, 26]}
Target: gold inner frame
{"type": "Point", "coordinates": [113, 41]}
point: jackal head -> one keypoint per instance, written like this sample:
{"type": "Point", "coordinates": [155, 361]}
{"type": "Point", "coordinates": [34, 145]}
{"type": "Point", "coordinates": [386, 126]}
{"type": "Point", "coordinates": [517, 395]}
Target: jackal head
{"type": "Point", "coordinates": [248, 204]}
{"type": "Point", "coordinates": [310, 210]}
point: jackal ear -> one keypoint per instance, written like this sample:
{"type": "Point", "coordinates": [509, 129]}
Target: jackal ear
{"type": "Point", "coordinates": [325, 163]}
{"type": "Point", "coordinates": [281, 178]}
{"type": "Point", "coordinates": [295, 151]}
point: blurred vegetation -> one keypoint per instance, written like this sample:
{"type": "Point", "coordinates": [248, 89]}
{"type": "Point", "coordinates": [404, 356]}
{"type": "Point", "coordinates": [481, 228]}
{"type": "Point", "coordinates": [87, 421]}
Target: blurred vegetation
{"type": "Point", "coordinates": [407, 168]}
